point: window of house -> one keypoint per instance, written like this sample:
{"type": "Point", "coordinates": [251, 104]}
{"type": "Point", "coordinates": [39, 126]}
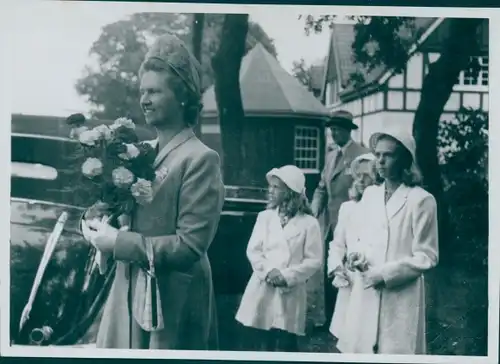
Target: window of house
{"type": "Point", "coordinates": [307, 148]}
{"type": "Point", "coordinates": [481, 78]}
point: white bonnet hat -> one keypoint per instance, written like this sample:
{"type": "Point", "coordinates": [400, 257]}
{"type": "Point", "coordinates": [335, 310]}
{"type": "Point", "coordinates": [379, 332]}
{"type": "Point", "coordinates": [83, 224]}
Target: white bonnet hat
{"type": "Point", "coordinates": [361, 158]}
{"type": "Point", "coordinates": [291, 175]}
{"type": "Point", "coordinates": [406, 139]}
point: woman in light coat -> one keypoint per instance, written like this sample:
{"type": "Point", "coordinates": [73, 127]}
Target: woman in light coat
{"type": "Point", "coordinates": [285, 250]}
{"type": "Point", "coordinates": [398, 243]}
{"type": "Point", "coordinates": [345, 239]}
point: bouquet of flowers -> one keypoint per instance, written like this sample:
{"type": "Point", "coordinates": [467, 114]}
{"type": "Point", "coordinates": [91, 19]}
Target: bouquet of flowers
{"type": "Point", "coordinates": [356, 261]}
{"type": "Point", "coordinates": [119, 168]}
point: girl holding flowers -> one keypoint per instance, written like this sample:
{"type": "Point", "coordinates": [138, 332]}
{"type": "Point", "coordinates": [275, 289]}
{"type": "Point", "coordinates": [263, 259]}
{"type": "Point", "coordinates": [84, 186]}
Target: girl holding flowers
{"type": "Point", "coordinates": [345, 258]}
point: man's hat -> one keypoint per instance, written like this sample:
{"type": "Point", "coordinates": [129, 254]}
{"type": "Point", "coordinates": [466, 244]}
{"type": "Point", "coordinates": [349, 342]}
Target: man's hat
{"type": "Point", "coordinates": [342, 119]}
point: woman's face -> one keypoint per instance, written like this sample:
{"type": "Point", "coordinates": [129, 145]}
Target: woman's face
{"type": "Point", "coordinates": [276, 191]}
{"type": "Point", "coordinates": [388, 160]}
{"type": "Point", "coordinates": [158, 102]}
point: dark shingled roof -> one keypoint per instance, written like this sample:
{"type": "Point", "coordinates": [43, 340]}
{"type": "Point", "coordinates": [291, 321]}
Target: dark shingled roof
{"type": "Point", "coordinates": [267, 89]}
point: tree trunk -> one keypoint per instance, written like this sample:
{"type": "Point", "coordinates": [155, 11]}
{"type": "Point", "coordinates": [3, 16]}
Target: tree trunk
{"type": "Point", "coordinates": [436, 90]}
{"type": "Point", "coordinates": [197, 42]}
{"type": "Point", "coordinates": [226, 64]}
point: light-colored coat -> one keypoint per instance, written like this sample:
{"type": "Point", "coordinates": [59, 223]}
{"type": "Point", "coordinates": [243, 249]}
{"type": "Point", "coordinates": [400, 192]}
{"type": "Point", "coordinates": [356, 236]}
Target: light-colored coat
{"type": "Point", "coordinates": [296, 250]}
{"type": "Point", "coordinates": [345, 240]}
{"type": "Point", "coordinates": [400, 240]}
{"type": "Point", "coordinates": [181, 223]}
{"type": "Point", "coordinates": [333, 187]}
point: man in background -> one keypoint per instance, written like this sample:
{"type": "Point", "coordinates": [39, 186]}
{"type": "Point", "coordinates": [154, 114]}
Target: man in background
{"type": "Point", "coordinates": [332, 189]}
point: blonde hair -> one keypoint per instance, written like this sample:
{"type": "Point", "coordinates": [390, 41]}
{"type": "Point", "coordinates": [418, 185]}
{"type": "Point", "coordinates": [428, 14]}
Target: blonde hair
{"type": "Point", "coordinates": [292, 204]}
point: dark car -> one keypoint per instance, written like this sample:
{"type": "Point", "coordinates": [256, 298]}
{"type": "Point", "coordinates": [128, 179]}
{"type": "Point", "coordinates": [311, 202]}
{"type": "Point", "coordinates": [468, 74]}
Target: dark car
{"type": "Point", "coordinates": [56, 291]}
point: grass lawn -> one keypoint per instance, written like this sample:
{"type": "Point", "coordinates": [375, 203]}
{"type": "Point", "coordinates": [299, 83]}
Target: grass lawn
{"type": "Point", "coordinates": [457, 323]}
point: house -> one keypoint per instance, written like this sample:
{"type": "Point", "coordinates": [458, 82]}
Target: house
{"type": "Point", "coordinates": [283, 121]}
{"type": "Point", "coordinates": [385, 97]}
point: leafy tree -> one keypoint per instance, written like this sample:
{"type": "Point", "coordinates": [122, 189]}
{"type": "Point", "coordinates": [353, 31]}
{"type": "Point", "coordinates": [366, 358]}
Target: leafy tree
{"type": "Point", "coordinates": [385, 41]}
{"type": "Point", "coordinates": [110, 81]}
{"type": "Point", "coordinates": [302, 73]}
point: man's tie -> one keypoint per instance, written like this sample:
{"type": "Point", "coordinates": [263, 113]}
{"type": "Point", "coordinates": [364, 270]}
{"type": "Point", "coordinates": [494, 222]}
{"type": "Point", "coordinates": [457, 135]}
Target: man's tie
{"type": "Point", "coordinates": [338, 157]}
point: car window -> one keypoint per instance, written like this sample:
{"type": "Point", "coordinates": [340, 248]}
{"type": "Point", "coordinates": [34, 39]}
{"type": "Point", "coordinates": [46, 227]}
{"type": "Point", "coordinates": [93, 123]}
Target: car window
{"type": "Point", "coordinates": [33, 171]}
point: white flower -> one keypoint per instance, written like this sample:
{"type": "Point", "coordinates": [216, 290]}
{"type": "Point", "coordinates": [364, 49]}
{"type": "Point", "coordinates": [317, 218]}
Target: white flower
{"type": "Point", "coordinates": [122, 122]}
{"type": "Point", "coordinates": [92, 167]}
{"type": "Point", "coordinates": [142, 190]}
{"type": "Point", "coordinates": [122, 177]}
{"type": "Point", "coordinates": [131, 153]}
{"type": "Point", "coordinates": [104, 131]}
{"type": "Point", "coordinates": [161, 174]}
{"type": "Point", "coordinates": [75, 132]}
{"type": "Point", "coordinates": [89, 137]}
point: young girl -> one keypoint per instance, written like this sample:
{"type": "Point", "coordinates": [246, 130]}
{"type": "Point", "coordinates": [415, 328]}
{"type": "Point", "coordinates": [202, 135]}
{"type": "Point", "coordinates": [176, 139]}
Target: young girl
{"type": "Point", "coordinates": [285, 249]}
{"type": "Point", "coordinates": [345, 241]}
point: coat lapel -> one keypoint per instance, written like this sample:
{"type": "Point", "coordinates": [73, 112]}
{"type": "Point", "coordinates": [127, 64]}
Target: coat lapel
{"type": "Point", "coordinates": [397, 201]}
{"type": "Point", "coordinates": [291, 229]}
{"type": "Point", "coordinates": [178, 140]}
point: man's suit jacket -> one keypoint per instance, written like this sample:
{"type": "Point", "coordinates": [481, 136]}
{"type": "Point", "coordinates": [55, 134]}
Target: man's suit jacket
{"type": "Point", "coordinates": [333, 187]}
{"type": "Point", "coordinates": [181, 223]}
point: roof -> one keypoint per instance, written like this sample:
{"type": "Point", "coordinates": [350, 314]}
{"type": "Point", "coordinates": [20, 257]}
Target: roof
{"type": "Point", "coordinates": [267, 89]}
{"type": "Point", "coordinates": [340, 55]}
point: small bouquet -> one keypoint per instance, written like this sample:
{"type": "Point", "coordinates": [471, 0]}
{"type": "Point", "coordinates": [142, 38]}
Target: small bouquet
{"type": "Point", "coordinates": [119, 168]}
{"type": "Point", "coordinates": [356, 261]}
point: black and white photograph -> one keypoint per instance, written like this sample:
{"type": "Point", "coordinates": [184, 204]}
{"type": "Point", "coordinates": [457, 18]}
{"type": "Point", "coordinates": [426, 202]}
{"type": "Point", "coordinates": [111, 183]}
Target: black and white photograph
{"type": "Point", "coordinates": [249, 182]}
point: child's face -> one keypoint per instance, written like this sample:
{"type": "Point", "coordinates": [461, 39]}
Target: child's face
{"type": "Point", "coordinates": [365, 174]}
{"type": "Point", "coordinates": [276, 191]}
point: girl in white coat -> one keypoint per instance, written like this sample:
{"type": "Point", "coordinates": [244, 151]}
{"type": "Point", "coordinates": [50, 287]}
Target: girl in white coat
{"type": "Point", "coordinates": [345, 239]}
{"type": "Point", "coordinates": [285, 250]}
{"type": "Point", "coordinates": [399, 243]}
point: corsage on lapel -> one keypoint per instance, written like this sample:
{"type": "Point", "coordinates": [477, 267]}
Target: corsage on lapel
{"type": "Point", "coordinates": [161, 174]}
{"type": "Point", "coordinates": [347, 167]}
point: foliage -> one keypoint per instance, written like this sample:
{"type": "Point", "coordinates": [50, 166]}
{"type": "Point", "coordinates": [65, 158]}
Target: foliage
{"type": "Point", "coordinates": [118, 167]}
{"type": "Point", "coordinates": [302, 73]}
{"type": "Point", "coordinates": [110, 82]}
{"type": "Point", "coordinates": [379, 41]}
{"type": "Point", "coordinates": [463, 144]}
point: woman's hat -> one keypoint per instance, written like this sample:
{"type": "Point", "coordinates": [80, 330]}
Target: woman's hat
{"type": "Point", "coordinates": [171, 50]}
{"type": "Point", "coordinates": [343, 119]}
{"type": "Point", "coordinates": [291, 176]}
{"type": "Point", "coordinates": [370, 157]}
{"type": "Point", "coordinates": [404, 138]}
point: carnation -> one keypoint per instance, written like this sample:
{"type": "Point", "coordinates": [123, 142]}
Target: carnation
{"type": "Point", "coordinates": [142, 191]}
{"type": "Point", "coordinates": [104, 131]}
{"type": "Point", "coordinates": [131, 153]}
{"type": "Point", "coordinates": [89, 137]}
{"type": "Point", "coordinates": [92, 167]}
{"type": "Point", "coordinates": [123, 122]}
{"type": "Point", "coordinates": [122, 177]}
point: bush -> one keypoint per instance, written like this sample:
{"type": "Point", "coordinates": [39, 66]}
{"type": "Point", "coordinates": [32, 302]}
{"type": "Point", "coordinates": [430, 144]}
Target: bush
{"type": "Point", "coordinates": [463, 146]}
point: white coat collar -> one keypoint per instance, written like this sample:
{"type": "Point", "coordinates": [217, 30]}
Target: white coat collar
{"type": "Point", "coordinates": [397, 200]}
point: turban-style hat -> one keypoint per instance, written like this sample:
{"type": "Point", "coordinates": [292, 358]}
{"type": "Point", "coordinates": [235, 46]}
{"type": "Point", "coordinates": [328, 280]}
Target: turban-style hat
{"type": "Point", "coordinates": [172, 51]}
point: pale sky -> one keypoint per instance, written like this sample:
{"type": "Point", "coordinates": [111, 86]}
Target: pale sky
{"type": "Point", "coordinates": [49, 55]}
